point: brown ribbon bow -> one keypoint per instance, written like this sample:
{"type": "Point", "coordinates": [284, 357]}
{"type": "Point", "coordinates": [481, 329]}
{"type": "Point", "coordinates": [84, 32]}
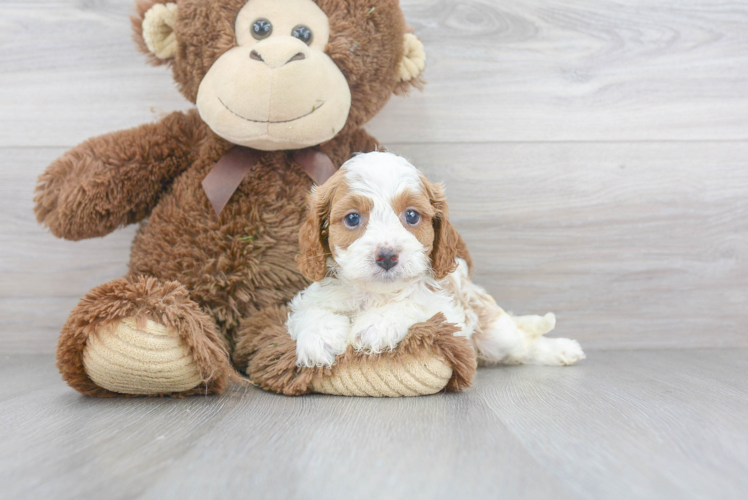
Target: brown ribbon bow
{"type": "Point", "coordinates": [224, 178]}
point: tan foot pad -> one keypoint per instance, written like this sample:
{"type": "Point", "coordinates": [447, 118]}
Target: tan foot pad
{"type": "Point", "coordinates": [411, 377]}
{"type": "Point", "coordinates": [148, 360]}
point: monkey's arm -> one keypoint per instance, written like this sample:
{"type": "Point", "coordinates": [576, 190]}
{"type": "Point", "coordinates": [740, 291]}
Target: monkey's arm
{"type": "Point", "coordinates": [115, 179]}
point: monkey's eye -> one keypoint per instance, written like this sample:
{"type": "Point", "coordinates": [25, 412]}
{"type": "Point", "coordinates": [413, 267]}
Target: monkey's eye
{"type": "Point", "coordinates": [302, 33]}
{"type": "Point", "coordinates": [352, 220]}
{"type": "Point", "coordinates": [261, 29]}
{"type": "Point", "coordinates": [412, 217]}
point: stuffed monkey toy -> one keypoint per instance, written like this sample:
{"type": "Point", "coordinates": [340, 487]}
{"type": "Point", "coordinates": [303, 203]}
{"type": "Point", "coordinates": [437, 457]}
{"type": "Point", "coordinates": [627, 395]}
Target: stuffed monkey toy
{"type": "Point", "coordinates": [282, 89]}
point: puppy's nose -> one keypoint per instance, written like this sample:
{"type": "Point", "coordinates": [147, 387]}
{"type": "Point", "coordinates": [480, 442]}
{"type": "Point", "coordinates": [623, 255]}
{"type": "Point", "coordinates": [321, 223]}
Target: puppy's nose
{"type": "Point", "coordinates": [386, 258]}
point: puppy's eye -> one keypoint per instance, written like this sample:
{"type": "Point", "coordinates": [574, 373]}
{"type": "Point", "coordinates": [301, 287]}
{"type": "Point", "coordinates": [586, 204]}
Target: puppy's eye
{"type": "Point", "coordinates": [352, 220]}
{"type": "Point", "coordinates": [261, 29]}
{"type": "Point", "coordinates": [302, 33]}
{"type": "Point", "coordinates": [412, 217]}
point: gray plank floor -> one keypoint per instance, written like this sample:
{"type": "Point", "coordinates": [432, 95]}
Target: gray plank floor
{"type": "Point", "coordinates": [623, 424]}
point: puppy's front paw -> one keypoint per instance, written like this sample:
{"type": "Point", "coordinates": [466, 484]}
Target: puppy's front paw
{"type": "Point", "coordinates": [320, 339]}
{"type": "Point", "coordinates": [315, 350]}
{"type": "Point", "coordinates": [378, 336]}
{"type": "Point", "coordinates": [555, 351]}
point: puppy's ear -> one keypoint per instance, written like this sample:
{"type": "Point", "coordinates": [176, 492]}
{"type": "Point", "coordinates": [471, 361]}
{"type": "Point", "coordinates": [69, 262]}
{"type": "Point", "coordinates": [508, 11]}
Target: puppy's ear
{"type": "Point", "coordinates": [314, 233]}
{"type": "Point", "coordinates": [313, 257]}
{"type": "Point", "coordinates": [444, 251]}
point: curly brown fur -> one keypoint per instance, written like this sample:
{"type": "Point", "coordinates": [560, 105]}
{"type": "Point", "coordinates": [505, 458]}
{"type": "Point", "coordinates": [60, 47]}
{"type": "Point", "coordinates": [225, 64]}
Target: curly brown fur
{"type": "Point", "coordinates": [311, 260]}
{"type": "Point", "coordinates": [143, 298]}
{"type": "Point", "coordinates": [243, 261]}
{"type": "Point", "coordinates": [437, 337]}
{"type": "Point", "coordinates": [447, 242]}
{"type": "Point", "coordinates": [463, 253]}
{"type": "Point", "coordinates": [267, 353]}
{"type": "Point", "coordinates": [102, 184]}
{"type": "Point", "coordinates": [313, 246]}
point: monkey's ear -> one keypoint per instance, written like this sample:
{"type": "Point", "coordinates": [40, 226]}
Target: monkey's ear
{"type": "Point", "coordinates": [154, 29]}
{"type": "Point", "coordinates": [414, 58]}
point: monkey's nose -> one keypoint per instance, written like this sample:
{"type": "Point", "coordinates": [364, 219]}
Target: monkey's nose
{"type": "Point", "coordinates": [386, 258]}
{"type": "Point", "coordinates": [299, 56]}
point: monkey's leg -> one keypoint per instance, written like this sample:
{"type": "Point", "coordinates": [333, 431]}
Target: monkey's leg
{"type": "Point", "coordinates": [139, 336]}
{"type": "Point", "coordinates": [428, 360]}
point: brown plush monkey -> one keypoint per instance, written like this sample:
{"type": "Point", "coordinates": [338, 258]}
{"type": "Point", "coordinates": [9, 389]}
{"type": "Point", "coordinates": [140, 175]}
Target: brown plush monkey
{"type": "Point", "coordinates": [280, 86]}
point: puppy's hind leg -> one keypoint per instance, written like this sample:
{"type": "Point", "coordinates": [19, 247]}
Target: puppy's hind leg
{"type": "Point", "coordinates": [544, 350]}
{"type": "Point", "coordinates": [509, 339]}
{"type": "Point", "coordinates": [503, 338]}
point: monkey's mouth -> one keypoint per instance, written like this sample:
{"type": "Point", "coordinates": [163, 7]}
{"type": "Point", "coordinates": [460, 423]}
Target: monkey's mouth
{"type": "Point", "coordinates": [314, 108]}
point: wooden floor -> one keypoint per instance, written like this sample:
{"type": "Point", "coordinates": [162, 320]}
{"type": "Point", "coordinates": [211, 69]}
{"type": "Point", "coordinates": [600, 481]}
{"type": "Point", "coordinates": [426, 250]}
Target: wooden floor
{"type": "Point", "coordinates": [624, 424]}
{"type": "Point", "coordinates": [596, 160]}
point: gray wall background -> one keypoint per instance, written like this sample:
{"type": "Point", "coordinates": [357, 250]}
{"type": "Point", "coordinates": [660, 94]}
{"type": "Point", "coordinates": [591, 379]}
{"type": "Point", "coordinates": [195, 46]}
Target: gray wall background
{"type": "Point", "coordinates": [595, 155]}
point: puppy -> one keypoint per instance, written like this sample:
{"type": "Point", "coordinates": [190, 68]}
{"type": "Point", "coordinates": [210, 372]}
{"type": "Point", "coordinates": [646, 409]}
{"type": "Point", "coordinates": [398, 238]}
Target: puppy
{"type": "Point", "coordinates": [383, 256]}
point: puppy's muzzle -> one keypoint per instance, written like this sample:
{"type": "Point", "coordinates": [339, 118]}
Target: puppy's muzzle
{"type": "Point", "coordinates": [386, 258]}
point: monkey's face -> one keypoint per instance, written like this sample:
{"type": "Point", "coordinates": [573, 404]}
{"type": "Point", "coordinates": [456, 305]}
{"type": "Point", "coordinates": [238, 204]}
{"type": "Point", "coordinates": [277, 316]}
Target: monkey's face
{"type": "Point", "coordinates": [277, 89]}
{"type": "Point", "coordinates": [282, 74]}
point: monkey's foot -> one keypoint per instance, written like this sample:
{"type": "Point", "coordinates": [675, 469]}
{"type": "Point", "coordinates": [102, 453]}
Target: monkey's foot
{"type": "Point", "coordinates": [428, 360]}
{"type": "Point", "coordinates": [140, 359]}
{"type": "Point", "coordinates": [138, 336]}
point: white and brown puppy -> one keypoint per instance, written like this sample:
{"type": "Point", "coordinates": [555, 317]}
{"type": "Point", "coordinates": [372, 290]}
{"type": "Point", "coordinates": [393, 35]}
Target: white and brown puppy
{"type": "Point", "coordinates": [383, 256]}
